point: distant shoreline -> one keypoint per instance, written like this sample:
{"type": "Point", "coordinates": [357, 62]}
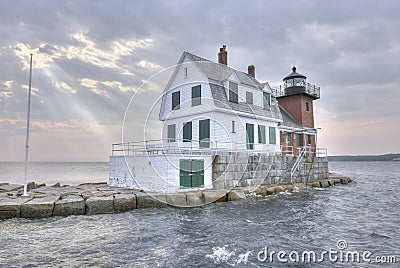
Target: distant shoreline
{"type": "Point", "coordinates": [365, 158]}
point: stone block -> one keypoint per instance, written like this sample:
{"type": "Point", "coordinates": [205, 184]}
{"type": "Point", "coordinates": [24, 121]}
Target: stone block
{"type": "Point", "coordinates": [176, 200]}
{"type": "Point", "coordinates": [145, 200]}
{"type": "Point", "coordinates": [39, 207]}
{"type": "Point", "coordinates": [288, 187]}
{"type": "Point", "coordinates": [124, 202]}
{"type": "Point", "coordinates": [11, 208]}
{"type": "Point", "coordinates": [269, 190]}
{"type": "Point", "coordinates": [212, 196]}
{"type": "Point", "coordinates": [345, 180]}
{"type": "Point", "coordinates": [315, 184]}
{"type": "Point", "coordinates": [10, 187]}
{"type": "Point", "coordinates": [100, 205]}
{"type": "Point", "coordinates": [278, 189]}
{"type": "Point", "coordinates": [193, 200]}
{"type": "Point", "coordinates": [69, 205]}
{"type": "Point", "coordinates": [236, 195]}
{"type": "Point", "coordinates": [261, 190]}
{"type": "Point", "coordinates": [324, 184]}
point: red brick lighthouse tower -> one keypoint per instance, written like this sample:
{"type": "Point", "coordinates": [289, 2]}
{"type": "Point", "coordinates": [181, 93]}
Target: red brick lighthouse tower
{"type": "Point", "coordinates": [296, 98]}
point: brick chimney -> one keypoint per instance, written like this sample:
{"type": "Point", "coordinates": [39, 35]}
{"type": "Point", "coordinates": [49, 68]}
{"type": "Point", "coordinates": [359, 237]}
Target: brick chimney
{"type": "Point", "coordinates": [223, 55]}
{"type": "Point", "coordinates": [251, 70]}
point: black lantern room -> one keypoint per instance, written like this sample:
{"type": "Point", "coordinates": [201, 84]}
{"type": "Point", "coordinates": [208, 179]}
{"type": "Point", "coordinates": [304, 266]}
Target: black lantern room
{"type": "Point", "coordinates": [295, 83]}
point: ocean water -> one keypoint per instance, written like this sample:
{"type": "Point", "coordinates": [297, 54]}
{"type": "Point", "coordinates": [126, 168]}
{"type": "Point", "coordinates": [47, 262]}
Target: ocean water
{"type": "Point", "coordinates": [358, 217]}
{"type": "Point", "coordinates": [67, 173]}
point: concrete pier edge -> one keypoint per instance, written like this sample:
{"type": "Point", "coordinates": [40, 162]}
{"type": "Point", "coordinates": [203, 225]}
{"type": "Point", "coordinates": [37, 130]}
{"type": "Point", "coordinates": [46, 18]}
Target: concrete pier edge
{"type": "Point", "coordinates": [90, 199]}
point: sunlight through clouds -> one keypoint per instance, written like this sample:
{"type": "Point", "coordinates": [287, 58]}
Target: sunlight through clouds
{"type": "Point", "coordinates": [64, 86]}
{"type": "Point", "coordinates": [86, 51]}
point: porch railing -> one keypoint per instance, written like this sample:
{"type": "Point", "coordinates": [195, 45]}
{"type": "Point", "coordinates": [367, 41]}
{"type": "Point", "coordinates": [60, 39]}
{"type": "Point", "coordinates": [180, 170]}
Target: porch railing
{"type": "Point", "coordinates": [194, 147]}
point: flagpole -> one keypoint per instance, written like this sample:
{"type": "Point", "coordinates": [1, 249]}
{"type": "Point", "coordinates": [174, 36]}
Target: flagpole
{"type": "Point", "coordinates": [27, 129]}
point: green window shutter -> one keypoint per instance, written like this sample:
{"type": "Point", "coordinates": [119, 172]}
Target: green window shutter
{"type": "Point", "coordinates": [204, 133]}
{"type": "Point", "coordinates": [171, 133]}
{"type": "Point", "coordinates": [233, 92]}
{"type": "Point", "coordinates": [249, 97]}
{"type": "Point", "coordinates": [266, 101]}
{"type": "Point", "coordinates": [187, 132]}
{"type": "Point", "coordinates": [196, 95]}
{"type": "Point", "coordinates": [250, 136]}
{"type": "Point", "coordinates": [272, 135]}
{"type": "Point", "coordinates": [176, 100]}
{"type": "Point", "coordinates": [261, 134]}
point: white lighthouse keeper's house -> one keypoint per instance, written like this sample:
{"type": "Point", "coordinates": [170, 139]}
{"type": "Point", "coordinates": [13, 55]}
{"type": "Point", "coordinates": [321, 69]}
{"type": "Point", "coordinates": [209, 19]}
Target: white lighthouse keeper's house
{"type": "Point", "coordinates": [207, 108]}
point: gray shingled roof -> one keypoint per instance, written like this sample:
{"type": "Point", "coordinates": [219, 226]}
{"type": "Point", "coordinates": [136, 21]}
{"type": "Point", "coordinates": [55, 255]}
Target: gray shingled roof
{"type": "Point", "coordinates": [221, 101]}
{"type": "Point", "coordinates": [218, 73]}
{"type": "Point", "coordinates": [289, 120]}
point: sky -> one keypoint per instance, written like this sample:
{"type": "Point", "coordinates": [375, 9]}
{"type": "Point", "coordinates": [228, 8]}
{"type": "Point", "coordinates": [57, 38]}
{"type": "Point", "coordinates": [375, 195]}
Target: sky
{"type": "Point", "coordinates": [90, 57]}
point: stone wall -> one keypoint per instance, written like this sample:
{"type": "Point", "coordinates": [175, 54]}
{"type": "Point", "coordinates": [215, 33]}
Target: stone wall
{"type": "Point", "coordinates": [251, 170]}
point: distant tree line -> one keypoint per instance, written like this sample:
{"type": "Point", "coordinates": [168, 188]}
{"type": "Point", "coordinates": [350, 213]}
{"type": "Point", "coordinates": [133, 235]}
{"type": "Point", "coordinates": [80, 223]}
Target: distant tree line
{"type": "Point", "coordinates": [385, 157]}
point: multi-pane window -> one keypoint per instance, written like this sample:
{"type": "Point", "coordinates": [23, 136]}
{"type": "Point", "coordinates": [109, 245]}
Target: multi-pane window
{"type": "Point", "coordinates": [176, 100]}
{"type": "Point", "coordinates": [266, 101]}
{"type": "Point", "coordinates": [196, 95]}
{"type": "Point", "coordinates": [233, 92]}
{"type": "Point", "coordinates": [171, 133]}
{"type": "Point", "coordinates": [204, 133]}
{"type": "Point", "coordinates": [272, 135]}
{"type": "Point", "coordinates": [261, 134]}
{"type": "Point", "coordinates": [249, 97]}
{"type": "Point", "coordinates": [187, 132]}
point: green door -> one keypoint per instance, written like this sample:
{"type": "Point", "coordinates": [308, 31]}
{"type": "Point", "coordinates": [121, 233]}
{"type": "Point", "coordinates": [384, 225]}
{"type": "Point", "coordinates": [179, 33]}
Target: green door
{"type": "Point", "coordinates": [185, 173]}
{"type": "Point", "coordinates": [204, 133]}
{"type": "Point", "coordinates": [191, 173]}
{"type": "Point", "coordinates": [250, 136]}
{"type": "Point", "coordinates": [197, 173]}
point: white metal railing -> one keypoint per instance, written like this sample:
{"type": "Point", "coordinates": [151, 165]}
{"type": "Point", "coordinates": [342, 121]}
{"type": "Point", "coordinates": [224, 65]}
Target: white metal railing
{"type": "Point", "coordinates": [287, 150]}
{"type": "Point", "coordinates": [296, 164]}
{"type": "Point", "coordinates": [309, 89]}
{"type": "Point", "coordinates": [165, 146]}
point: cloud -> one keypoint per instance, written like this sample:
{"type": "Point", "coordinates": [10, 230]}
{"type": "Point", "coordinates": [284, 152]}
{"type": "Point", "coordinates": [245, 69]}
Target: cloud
{"type": "Point", "coordinates": [148, 65]}
{"type": "Point", "coordinates": [8, 84]}
{"type": "Point", "coordinates": [64, 86]}
{"type": "Point", "coordinates": [90, 58]}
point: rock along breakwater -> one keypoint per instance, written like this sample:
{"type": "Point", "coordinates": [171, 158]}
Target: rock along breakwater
{"type": "Point", "coordinates": [98, 198]}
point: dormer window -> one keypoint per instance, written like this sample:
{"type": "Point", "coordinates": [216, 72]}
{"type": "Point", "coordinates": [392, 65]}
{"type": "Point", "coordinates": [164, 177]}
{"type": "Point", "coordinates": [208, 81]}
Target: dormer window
{"type": "Point", "coordinates": [233, 92]}
{"type": "Point", "coordinates": [266, 101]}
{"type": "Point", "coordinates": [249, 97]}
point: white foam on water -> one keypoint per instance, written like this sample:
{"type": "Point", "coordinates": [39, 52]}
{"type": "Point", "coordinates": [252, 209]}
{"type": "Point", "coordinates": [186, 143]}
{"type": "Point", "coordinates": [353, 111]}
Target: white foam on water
{"type": "Point", "coordinates": [244, 258]}
{"type": "Point", "coordinates": [319, 189]}
{"type": "Point", "coordinates": [222, 255]}
{"type": "Point", "coordinates": [285, 193]}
